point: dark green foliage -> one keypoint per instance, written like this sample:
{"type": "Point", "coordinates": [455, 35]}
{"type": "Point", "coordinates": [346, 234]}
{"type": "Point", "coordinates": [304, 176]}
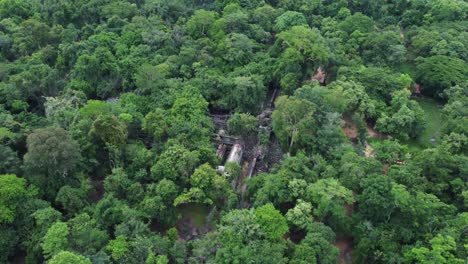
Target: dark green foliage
{"type": "Point", "coordinates": [51, 159]}
{"type": "Point", "coordinates": [438, 73]}
{"type": "Point", "coordinates": [9, 161]}
{"type": "Point", "coordinates": [289, 19]}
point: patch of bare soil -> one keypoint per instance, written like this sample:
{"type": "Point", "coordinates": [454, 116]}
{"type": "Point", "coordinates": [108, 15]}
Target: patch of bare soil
{"type": "Point", "coordinates": [349, 128]}
{"type": "Point", "coordinates": [320, 75]}
{"type": "Point", "coordinates": [241, 182]}
{"type": "Point", "coordinates": [372, 133]}
{"type": "Point", "coordinates": [344, 243]}
{"type": "Point", "coordinates": [385, 168]}
{"type": "Point", "coordinates": [349, 209]}
{"type": "Point", "coordinates": [368, 150]}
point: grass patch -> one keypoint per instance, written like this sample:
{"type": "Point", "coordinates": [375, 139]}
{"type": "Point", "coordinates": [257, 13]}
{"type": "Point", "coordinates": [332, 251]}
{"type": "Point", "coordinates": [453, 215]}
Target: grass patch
{"type": "Point", "coordinates": [434, 124]}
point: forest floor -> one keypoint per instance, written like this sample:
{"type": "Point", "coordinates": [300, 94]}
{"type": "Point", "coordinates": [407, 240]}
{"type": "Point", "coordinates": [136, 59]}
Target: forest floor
{"type": "Point", "coordinates": [345, 245]}
{"type": "Point", "coordinates": [194, 221]}
{"type": "Point", "coordinates": [344, 242]}
{"type": "Point", "coordinates": [372, 133]}
{"type": "Point", "coordinates": [349, 128]}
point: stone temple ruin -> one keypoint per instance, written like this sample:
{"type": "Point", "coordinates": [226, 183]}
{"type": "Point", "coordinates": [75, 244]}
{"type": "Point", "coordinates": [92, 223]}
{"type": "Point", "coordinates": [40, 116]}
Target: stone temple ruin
{"type": "Point", "coordinates": [235, 150]}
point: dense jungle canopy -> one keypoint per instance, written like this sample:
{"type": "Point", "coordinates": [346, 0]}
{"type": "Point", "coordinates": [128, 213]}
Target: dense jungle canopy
{"type": "Point", "coordinates": [233, 131]}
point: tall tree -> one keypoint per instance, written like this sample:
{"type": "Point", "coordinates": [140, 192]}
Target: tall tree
{"type": "Point", "coordinates": [291, 120]}
{"type": "Point", "coordinates": [51, 160]}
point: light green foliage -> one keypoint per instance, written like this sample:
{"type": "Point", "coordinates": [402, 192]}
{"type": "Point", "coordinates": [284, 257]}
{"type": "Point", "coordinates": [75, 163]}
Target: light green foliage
{"type": "Point", "coordinates": [31, 36]}
{"type": "Point", "coordinates": [301, 214]}
{"type": "Point", "coordinates": [240, 225]}
{"type": "Point", "coordinates": [56, 239]}
{"type": "Point", "coordinates": [118, 247]}
{"type": "Point", "coordinates": [443, 10]}
{"type": "Point", "coordinates": [232, 170]}
{"type": "Point", "coordinates": [152, 259]}
{"type": "Point", "coordinates": [94, 108]}
{"type": "Point", "coordinates": [13, 192]}
{"type": "Point", "coordinates": [291, 120]}
{"type": "Point", "coordinates": [455, 110]}
{"type": "Point", "coordinates": [271, 221]}
{"type": "Point", "coordinates": [176, 164]}
{"type": "Point", "coordinates": [297, 187]}
{"type": "Point", "coordinates": [188, 120]}
{"type": "Point", "coordinates": [328, 197]}
{"type": "Point", "coordinates": [258, 251]}
{"type": "Point", "coordinates": [66, 257]}
{"type": "Point", "coordinates": [162, 260]}
{"type": "Point", "coordinates": [440, 251]}
{"type": "Point", "coordinates": [285, 183]}
{"type": "Point", "coordinates": [406, 118]}
{"type": "Point", "coordinates": [43, 219]}
{"type": "Point", "coordinates": [243, 238]}
{"type": "Point", "coordinates": [207, 186]}
{"type": "Point", "coordinates": [264, 15]}
{"type": "Point", "coordinates": [85, 235]}
{"type": "Point", "coordinates": [200, 23]}
{"type": "Point", "coordinates": [243, 124]}
{"type": "Point", "coordinates": [317, 246]}
{"type": "Point", "coordinates": [151, 77]}
{"type": "Point", "coordinates": [6, 134]}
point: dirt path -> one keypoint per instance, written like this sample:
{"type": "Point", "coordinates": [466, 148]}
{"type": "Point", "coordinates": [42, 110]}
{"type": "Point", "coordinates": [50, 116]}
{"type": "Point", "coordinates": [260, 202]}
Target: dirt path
{"type": "Point", "coordinates": [345, 246]}
{"type": "Point", "coordinates": [368, 150]}
{"type": "Point", "coordinates": [372, 133]}
{"type": "Point", "coordinates": [349, 128]}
